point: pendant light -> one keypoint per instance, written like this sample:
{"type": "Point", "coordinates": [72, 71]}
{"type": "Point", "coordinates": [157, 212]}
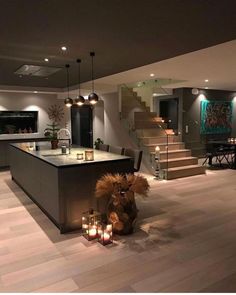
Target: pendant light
{"type": "Point", "coordinates": [79, 99]}
{"type": "Point", "coordinates": [93, 97]}
{"type": "Point", "coordinates": [68, 101]}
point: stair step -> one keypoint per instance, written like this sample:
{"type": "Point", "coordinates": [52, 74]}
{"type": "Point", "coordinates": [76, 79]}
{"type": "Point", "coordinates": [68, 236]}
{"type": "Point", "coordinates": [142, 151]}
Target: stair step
{"type": "Point", "coordinates": [178, 162]}
{"type": "Point", "coordinates": [172, 154]}
{"type": "Point", "coordinates": [159, 139]}
{"type": "Point", "coordinates": [145, 115]}
{"type": "Point", "coordinates": [184, 171]}
{"type": "Point", "coordinates": [148, 124]}
{"type": "Point", "coordinates": [162, 146]}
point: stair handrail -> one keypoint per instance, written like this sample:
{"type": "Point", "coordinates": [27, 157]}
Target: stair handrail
{"type": "Point", "coordinates": [167, 149]}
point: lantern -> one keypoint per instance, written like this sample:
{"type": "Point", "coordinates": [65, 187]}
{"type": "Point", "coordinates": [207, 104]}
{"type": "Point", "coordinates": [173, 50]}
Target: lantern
{"type": "Point", "coordinates": [105, 234]}
{"type": "Point", "coordinates": [90, 221]}
{"type": "Point", "coordinates": [89, 155]}
{"type": "Point", "coordinates": [80, 156]}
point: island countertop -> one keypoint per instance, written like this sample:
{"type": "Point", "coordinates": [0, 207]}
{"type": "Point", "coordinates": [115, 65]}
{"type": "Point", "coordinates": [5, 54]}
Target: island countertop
{"type": "Point", "coordinates": [57, 159]}
{"type": "Point", "coordinates": [62, 186]}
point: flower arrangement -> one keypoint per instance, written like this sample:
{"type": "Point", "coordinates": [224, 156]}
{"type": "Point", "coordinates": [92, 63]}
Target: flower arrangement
{"type": "Point", "coordinates": [120, 190]}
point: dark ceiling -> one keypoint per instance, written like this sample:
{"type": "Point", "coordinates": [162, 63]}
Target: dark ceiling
{"type": "Point", "coordinates": [124, 34]}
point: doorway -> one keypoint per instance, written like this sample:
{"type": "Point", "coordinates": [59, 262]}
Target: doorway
{"type": "Point", "coordinates": [82, 125]}
{"type": "Point", "coordinates": [169, 112]}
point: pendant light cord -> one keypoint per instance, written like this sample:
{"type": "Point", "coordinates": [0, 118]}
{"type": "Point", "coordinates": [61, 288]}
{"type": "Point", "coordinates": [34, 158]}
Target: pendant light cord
{"type": "Point", "coordinates": [67, 76]}
{"type": "Point", "coordinates": [79, 61]}
{"type": "Point", "coordinates": [92, 54]}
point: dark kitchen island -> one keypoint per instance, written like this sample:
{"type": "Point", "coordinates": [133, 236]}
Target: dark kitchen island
{"type": "Point", "coordinates": [62, 186]}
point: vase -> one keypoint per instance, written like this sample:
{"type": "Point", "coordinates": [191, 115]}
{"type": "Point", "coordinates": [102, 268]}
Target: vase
{"type": "Point", "coordinates": [54, 144]}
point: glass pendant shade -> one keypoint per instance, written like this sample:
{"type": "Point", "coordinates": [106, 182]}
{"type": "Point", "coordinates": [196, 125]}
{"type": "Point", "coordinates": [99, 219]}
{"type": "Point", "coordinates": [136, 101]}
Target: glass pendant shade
{"type": "Point", "coordinates": [79, 100]}
{"type": "Point", "coordinates": [68, 102]}
{"type": "Point", "coordinates": [93, 98]}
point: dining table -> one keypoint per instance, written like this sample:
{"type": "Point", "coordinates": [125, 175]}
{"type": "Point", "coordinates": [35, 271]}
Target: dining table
{"type": "Point", "coordinates": [230, 145]}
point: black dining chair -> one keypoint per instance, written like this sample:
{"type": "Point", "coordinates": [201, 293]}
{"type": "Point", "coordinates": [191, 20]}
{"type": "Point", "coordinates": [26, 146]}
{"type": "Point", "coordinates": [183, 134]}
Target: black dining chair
{"type": "Point", "coordinates": [136, 155]}
{"type": "Point", "coordinates": [116, 150]}
{"type": "Point", "coordinates": [103, 147]}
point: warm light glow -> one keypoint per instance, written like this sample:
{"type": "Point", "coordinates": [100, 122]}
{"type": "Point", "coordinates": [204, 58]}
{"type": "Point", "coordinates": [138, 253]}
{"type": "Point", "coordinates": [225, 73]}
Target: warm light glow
{"type": "Point", "coordinates": [105, 236]}
{"type": "Point", "coordinates": [92, 232]}
{"type": "Point", "coordinates": [163, 121]}
{"type": "Point", "coordinates": [68, 105]}
{"type": "Point", "coordinates": [46, 59]}
{"type": "Point", "coordinates": [157, 149]}
{"type": "Point", "coordinates": [93, 102]}
{"type": "Point", "coordinates": [206, 80]}
{"type": "Point", "coordinates": [35, 91]}
{"type": "Point", "coordinates": [152, 75]}
{"type": "Point", "coordinates": [155, 94]}
{"type": "Point", "coordinates": [201, 97]}
{"type": "Point", "coordinates": [63, 48]}
{"type": "Point", "coordinates": [206, 87]}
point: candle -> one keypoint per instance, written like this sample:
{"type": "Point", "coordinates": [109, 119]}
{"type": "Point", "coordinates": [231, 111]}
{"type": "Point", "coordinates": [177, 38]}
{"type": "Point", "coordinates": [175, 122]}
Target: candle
{"type": "Point", "coordinates": [80, 156]}
{"type": "Point", "coordinates": [89, 155]}
{"type": "Point", "coordinates": [92, 232]}
{"type": "Point", "coordinates": [105, 236]}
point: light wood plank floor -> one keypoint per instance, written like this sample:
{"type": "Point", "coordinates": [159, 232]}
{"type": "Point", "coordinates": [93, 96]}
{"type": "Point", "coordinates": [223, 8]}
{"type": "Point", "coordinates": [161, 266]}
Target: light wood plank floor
{"type": "Point", "coordinates": [185, 242]}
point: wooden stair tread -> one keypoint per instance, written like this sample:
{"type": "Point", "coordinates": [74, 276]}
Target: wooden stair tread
{"type": "Point", "coordinates": [163, 144]}
{"type": "Point", "coordinates": [176, 159]}
{"type": "Point", "coordinates": [184, 168]}
{"type": "Point", "coordinates": [145, 137]}
{"type": "Point", "coordinates": [173, 151]}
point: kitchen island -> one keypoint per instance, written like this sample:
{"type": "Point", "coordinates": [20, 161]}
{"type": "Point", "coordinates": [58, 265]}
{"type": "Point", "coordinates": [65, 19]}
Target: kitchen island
{"type": "Point", "coordinates": [62, 186]}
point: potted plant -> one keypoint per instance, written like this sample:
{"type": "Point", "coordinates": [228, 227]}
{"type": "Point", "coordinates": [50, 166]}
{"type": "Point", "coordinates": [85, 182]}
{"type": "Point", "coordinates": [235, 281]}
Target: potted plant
{"type": "Point", "coordinates": [51, 133]}
{"type": "Point", "coordinates": [120, 191]}
{"type": "Point", "coordinates": [97, 142]}
{"type": "Point", "coordinates": [55, 114]}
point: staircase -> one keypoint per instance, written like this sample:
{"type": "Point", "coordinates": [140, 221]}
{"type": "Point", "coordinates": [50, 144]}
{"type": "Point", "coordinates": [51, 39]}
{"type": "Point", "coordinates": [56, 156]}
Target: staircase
{"type": "Point", "coordinates": [174, 160]}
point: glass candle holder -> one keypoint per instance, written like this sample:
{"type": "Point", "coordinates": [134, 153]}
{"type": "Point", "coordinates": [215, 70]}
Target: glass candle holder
{"type": "Point", "coordinates": [105, 234]}
{"type": "Point", "coordinates": [90, 221]}
{"type": "Point", "coordinates": [80, 156]}
{"type": "Point", "coordinates": [89, 155]}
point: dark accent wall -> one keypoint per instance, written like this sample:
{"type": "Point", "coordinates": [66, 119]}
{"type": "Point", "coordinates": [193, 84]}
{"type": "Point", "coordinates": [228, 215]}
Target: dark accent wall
{"type": "Point", "coordinates": [191, 117]}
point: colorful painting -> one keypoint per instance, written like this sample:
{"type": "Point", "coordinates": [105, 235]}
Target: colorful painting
{"type": "Point", "coordinates": [216, 117]}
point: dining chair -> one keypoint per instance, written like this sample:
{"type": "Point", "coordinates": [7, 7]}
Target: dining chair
{"type": "Point", "coordinates": [136, 156]}
{"type": "Point", "coordinates": [116, 150]}
{"type": "Point", "coordinates": [103, 147]}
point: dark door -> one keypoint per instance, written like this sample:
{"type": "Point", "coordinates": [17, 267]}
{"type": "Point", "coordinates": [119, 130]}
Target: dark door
{"type": "Point", "coordinates": [169, 112]}
{"type": "Point", "coordinates": [82, 125]}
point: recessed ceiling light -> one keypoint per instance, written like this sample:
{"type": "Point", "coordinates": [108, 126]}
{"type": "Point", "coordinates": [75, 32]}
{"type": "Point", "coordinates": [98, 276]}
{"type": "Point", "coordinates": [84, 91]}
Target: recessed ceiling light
{"type": "Point", "coordinates": [35, 91]}
{"type": "Point", "coordinates": [152, 75]}
{"type": "Point", "coordinates": [63, 48]}
{"type": "Point", "coordinates": [206, 80]}
{"type": "Point", "coordinates": [46, 59]}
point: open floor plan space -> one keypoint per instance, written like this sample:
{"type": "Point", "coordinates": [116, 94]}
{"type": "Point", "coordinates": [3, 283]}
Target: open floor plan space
{"type": "Point", "coordinates": [184, 241]}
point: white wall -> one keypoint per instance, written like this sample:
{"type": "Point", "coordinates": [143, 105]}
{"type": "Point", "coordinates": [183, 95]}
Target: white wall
{"type": "Point", "coordinates": [146, 95]}
{"type": "Point", "coordinates": [13, 101]}
{"type": "Point", "coordinates": [115, 133]}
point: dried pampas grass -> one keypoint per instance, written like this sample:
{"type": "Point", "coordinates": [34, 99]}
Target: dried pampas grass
{"type": "Point", "coordinates": [111, 184]}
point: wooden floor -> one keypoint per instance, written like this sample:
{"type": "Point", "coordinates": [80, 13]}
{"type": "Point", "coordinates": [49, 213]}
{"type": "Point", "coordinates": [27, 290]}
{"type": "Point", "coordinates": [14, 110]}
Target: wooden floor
{"type": "Point", "coordinates": [186, 241]}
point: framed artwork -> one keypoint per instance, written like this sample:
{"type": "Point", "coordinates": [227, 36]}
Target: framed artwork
{"type": "Point", "coordinates": [216, 117]}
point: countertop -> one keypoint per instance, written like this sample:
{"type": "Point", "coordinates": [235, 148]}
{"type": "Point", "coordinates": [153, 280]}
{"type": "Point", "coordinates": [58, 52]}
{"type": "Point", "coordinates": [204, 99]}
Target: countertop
{"type": "Point", "coordinates": [57, 159]}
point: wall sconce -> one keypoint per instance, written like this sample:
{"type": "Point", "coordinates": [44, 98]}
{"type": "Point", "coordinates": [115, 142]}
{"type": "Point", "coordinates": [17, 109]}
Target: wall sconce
{"type": "Point", "coordinates": [89, 155]}
{"type": "Point", "coordinates": [90, 221]}
{"type": "Point", "coordinates": [105, 234]}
